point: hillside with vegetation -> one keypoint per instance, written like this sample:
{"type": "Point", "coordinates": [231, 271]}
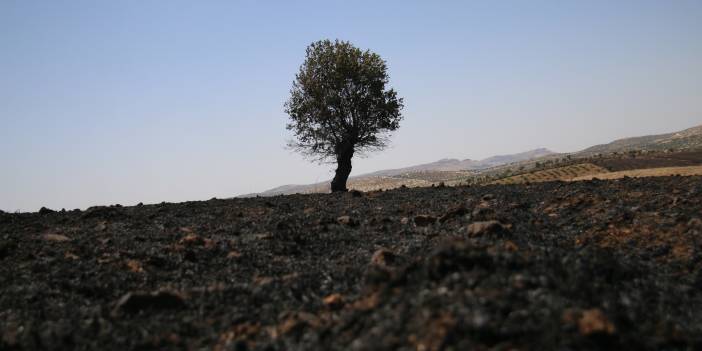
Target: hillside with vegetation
{"type": "Point", "coordinates": [688, 139]}
{"type": "Point", "coordinates": [556, 173]}
{"type": "Point", "coordinates": [677, 149]}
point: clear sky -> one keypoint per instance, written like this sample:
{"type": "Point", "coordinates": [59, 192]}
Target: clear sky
{"type": "Point", "coordinates": [105, 102]}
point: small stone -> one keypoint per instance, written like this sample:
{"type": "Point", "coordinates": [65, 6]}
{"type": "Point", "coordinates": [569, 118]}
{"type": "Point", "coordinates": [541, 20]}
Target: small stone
{"type": "Point", "coordinates": [594, 321]}
{"type": "Point", "coordinates": [55, 237]}
{"type": "Point", "coordinates": [347, 220]}
{"type": "Point", "coordinates": [288, 326]}
{"type": "Point", "coordinates": [290, 277]}
{"type": "Point", "coordinates": [510, 246]}
{"type": "Point", "coordinates": [368, 302]}
{"type": "Point", "coordinates": [135, 266]}
{"type": "Point", "coordinates": [404, 220]}
{"type": "Point", "coordinates": [262, 281]}
{"type": "Point", "coordinates": [70, 256]}
{"type": "Point", "coordinates": [424, 220]}
{"type": "Point", "coordinates": [297, 322]}
{"type": "Point", "coordinates": [486, 227]}
{"type": "Point", "coordinates": [209, 243]}
{"type": "Point", "coordinates": [478, 320]}
{"type": "Point", "coordinates": [333, 301]}
{"type": "Point", "coordinates": [263, 236]}
{"type": "Point", "coordinates": [234, 254]}
{"type": "Point", "coordinates": [383, 258]}
{"type": "Point", "coordinates": [191, 239]}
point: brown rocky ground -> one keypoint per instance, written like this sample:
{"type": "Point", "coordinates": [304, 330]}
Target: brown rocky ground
{"type": "Point", "coordinates": [585, 265]}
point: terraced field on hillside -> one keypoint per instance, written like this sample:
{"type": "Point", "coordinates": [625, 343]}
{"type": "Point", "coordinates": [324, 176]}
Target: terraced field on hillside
{"type": "Point", "coordinates": [558, 173]}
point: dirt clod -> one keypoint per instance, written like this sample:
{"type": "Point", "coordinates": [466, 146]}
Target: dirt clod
{"type": "Point", "coordinates": [383, 258]}
{"type": "Point", "coordinates": [333, 301]}
{"type": "Point", "coordinates": [191, 239]}
{"type": "Point", "coordinates": [594, 321]}
{"type": "Point", "coordinates": [55, 237]}
{"type": "Point", "coordinates": [485, 227]}
{"type": "Point", "coordinates": [135, 266]}
{"type": "Point", "coordinates": [347, 220]}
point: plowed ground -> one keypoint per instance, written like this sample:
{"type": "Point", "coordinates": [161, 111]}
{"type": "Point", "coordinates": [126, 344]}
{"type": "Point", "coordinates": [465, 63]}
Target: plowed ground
{"type": "Point", "coordinates": [554, 265]}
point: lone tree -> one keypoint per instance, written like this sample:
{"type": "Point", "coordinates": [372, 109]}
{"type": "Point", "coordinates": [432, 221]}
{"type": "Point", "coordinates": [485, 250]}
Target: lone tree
{"type": "Point", "coordinates": [339, 105]}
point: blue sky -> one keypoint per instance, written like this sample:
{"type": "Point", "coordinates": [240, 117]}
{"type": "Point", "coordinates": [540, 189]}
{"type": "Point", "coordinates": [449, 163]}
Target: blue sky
{"type": "Point", "coordinates": [105, 102]}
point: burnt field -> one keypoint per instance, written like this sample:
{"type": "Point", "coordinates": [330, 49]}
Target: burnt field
{"type": "Point", "coordinates": [584, 265]}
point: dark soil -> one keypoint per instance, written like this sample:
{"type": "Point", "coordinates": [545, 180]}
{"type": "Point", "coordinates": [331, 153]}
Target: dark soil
{"type": "Point", "coordinates": [584, 265]}
{"type": "Point", "coordinates": [656, 160]}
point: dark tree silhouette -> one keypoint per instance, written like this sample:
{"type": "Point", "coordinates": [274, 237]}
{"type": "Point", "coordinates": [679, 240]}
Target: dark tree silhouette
{"type": "Point", "coordinates": [339, 105]}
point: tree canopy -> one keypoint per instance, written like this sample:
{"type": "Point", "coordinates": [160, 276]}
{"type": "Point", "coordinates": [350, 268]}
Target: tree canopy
{"type": "Point", "coordinates": [340, 105]}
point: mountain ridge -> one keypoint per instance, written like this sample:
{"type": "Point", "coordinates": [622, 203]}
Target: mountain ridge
{"type": "Point", "coordinates": [453, 164]}
{"type": "Point", "coordinates": [685, 139]}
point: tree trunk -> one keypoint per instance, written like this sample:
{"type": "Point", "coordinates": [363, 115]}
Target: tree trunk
{"type": "Point", "coordinates": [343, 169]}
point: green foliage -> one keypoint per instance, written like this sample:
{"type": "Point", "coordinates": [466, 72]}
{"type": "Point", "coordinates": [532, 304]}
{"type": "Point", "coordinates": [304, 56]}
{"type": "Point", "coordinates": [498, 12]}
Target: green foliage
{"type": "Point", "coordinates": [339, 102]}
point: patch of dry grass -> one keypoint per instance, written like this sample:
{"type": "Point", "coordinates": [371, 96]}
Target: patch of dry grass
{"type": "Point", "coordinates": [385, 183]}
{"type": "Point", "coordinates": [559, 173]}
{"type": "Point", "coordinates": [649, 172]}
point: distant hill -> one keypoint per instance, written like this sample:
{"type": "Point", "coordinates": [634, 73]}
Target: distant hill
{"type": "Point", "coordinates": [383, 178]}
{"type": "Point", "coordinates": [687, 139]}
{"type": "Point", "coordinates": [452, 164]}
{"type": "Point", "coordinates": [454, 171]}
